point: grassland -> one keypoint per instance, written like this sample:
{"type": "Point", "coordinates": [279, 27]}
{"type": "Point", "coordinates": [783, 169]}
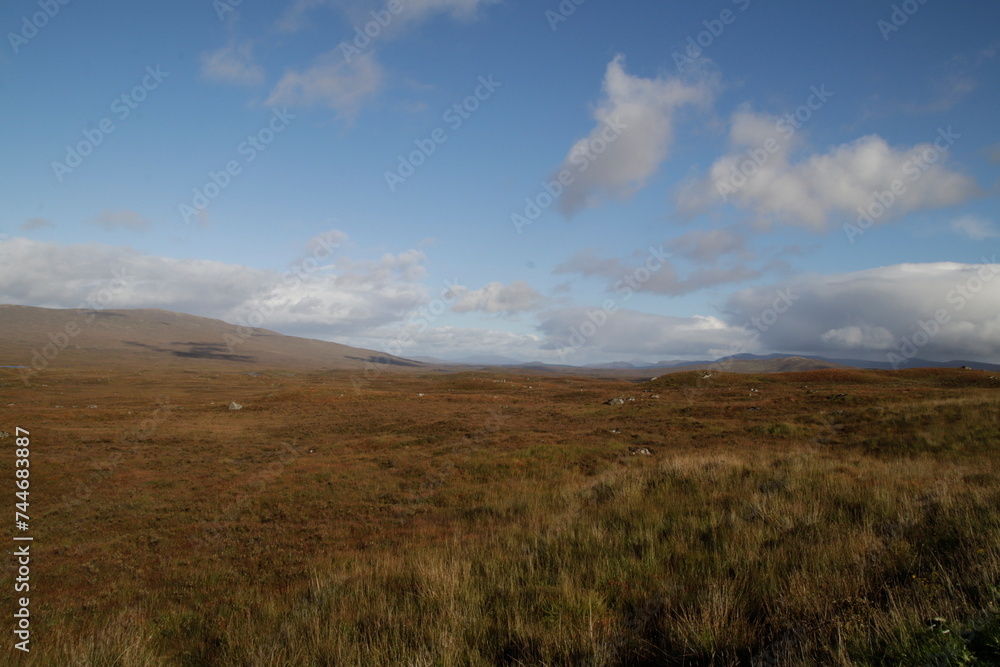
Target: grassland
{"type": "Point", "coordinates": [826, 517]}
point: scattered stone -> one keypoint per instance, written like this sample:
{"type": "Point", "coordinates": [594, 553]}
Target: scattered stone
{"type": "Point", "coordinates": [4, 434]}
{"type": "Point", "coordinates": [753, 408]}
{"type": "Point", "coordinates": [615, 401]}
{"type": "Point", "coordinates": [235, 406]}
{"type": "Point", "coordinates": [615, 431]}
{"type": "Point", "coordinates": [641, 451]}
{"type": "Point", "coordinates": [418, 395]}
{"type": "Point", "coordinates": [655, 396]}
{"type": "Point", "coordinates": [91, 407]}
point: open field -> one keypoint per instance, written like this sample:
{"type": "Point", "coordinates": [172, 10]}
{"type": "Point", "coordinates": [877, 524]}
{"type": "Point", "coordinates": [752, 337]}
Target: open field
{"type": "Point", "coordinates": [836, 517]}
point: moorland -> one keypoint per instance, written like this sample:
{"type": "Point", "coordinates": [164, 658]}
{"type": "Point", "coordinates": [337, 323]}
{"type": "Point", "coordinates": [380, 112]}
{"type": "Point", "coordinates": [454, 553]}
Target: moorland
{"type": "Point", "coordinates": [407, 515]}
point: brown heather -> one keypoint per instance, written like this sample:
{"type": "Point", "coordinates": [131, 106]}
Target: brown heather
{"type": "Point", "coordinates": [852, 518]}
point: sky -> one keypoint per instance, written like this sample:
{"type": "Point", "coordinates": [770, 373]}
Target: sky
{"type": "Point", "coordinates": [570, 182]}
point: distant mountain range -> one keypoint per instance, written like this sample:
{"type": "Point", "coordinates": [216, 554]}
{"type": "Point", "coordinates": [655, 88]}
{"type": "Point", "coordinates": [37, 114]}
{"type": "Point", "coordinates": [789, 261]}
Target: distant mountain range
{"type": "Point", "coordinates": [36, 338]}
{"type": "Point", "coordinates": [735, 363]}
{"type": "Point", "coordinates": [854, 363]}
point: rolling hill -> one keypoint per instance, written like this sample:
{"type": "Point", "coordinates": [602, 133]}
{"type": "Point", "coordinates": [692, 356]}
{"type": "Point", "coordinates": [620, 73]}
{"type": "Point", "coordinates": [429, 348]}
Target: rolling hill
{"type": "Point", "coordinates": [41, 337]}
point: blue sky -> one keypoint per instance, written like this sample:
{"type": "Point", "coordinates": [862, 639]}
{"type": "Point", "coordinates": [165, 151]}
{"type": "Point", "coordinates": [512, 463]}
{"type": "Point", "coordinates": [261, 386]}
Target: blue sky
{"type": "Point", "coordinates": [270, 164]}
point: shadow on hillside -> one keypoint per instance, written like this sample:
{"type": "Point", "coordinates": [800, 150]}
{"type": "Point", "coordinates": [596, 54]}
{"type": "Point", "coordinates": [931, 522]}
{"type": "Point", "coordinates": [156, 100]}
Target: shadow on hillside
{"type": "Point", "coordinates": [388, 361]}
{"type": "Point", "coordinates": [198, 351]}
{"type": "Point", "coordinates": [100, 313]}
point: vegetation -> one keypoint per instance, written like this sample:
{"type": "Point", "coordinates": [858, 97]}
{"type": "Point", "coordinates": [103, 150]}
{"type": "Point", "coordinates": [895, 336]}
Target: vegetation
{"type": "Point", "coordinates": [827, 517]}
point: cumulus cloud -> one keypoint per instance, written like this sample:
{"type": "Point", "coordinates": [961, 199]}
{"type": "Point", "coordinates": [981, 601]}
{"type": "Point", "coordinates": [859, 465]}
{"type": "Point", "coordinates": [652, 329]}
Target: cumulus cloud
{"type": "Point", "coordinates": [330, 82]}
{"type": "Point", "coordinates": [633, 135]}
{"type": "Point", "coordinates": [112, 219]}
{"type": "Point", "coordinates": [975, 228]}
{"type": "Point", "coordinates": [761, 174]}
{"type": "Point", "coordinates": [232, 63]}
{"type": "Point", "coordinates": [879, 310]}
{"type": "Point", "coordinates": [496, 297]}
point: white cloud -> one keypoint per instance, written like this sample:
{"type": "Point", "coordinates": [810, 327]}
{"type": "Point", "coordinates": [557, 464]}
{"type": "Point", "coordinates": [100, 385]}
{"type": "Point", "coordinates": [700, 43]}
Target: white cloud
{"type": "Point", "coordinates": [232, 63]}
{"type": "Point", "coordinates": [633, 135]}
{"type": "Point", "coordinates": [974, 227]}
{"type": "Point", "coordinates": [810, 191]}
{"type": "Point", "coordinates": [331, 82]}
{"type": "Point", "coordinates": [496, 297]}
{"type": "Point", "coordinates": [111, 219]}
{"type": "Point", "coordinates": [877, 310]}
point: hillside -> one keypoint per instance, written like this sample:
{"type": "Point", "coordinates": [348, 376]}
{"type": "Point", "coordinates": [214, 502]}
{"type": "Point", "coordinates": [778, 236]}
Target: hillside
{"type": "Point", "coordinates": [43, 337]}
